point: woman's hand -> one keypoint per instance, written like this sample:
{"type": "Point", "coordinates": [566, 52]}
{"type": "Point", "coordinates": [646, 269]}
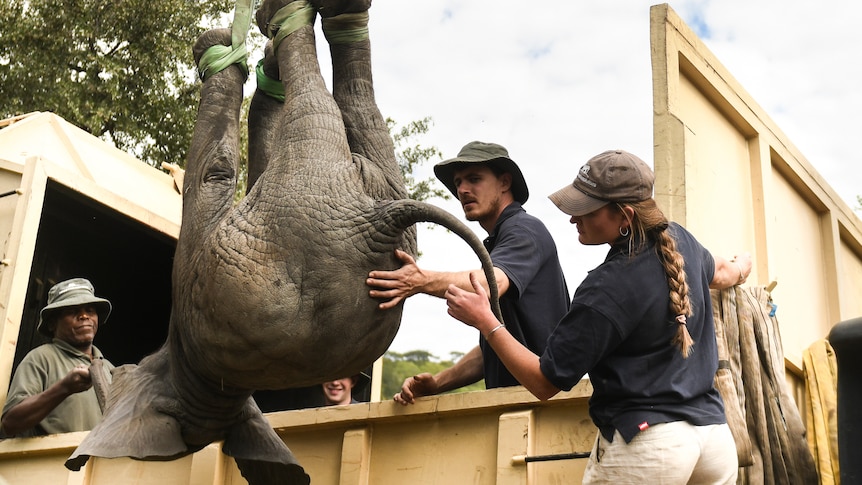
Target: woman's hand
{"type": "Point", "coordinates": [730, 272]}
{"type": "Point", "coordinates": [473, 307]}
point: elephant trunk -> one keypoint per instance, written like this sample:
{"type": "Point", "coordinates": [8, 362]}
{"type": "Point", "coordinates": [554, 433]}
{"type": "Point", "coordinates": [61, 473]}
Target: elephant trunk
{"type": "Point", "coordinates": [398, 215]}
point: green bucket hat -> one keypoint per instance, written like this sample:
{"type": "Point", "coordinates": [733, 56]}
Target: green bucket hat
{"type": "Point", "coordinates": [73, 292]}
{"type": "Point", "coordinates": [488, 153]}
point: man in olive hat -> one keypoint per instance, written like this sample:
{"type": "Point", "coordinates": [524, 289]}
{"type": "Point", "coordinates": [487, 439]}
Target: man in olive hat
{"type": "Point", "coordinates": [51, 390]}
{"type": "Point", "coordinates": [533, 292]}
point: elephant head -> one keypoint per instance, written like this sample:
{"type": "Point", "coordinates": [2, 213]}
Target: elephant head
{"type": "Point", "coordinates": [264, 289]}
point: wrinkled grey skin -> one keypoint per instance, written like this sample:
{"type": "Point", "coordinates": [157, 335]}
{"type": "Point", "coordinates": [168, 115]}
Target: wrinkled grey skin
{"type": "Point", "coordinates": [265, 293]}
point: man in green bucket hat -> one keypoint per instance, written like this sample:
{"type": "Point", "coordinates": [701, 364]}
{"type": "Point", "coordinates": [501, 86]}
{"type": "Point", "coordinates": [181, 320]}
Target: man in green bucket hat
{"type": "Point", "coordinates": [533, 292]}
{"type": "Point", "coordinates": [51, 391]}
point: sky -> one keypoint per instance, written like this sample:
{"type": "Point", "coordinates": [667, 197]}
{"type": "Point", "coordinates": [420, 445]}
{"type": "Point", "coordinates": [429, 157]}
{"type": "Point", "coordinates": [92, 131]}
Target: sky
{"type": "Point", "coordinates": [560, 81]}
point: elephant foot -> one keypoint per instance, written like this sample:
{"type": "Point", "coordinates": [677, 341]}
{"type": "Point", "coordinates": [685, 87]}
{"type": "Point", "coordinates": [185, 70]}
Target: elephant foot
{"type": "Point", "coordinates": [213, 53]}
{"type": "Point", "coordinates": [331, 8]}
{"type": "Point", "coordinates": [277, 19]}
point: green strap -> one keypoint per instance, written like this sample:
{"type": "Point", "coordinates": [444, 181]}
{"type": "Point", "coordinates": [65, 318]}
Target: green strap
{"type": "Point", "coordinates": [346, 28]}
{"type": "Point", "coordinates": [219, 57]}
{"type": "Point", "coordinates": [241, 23]}
{"type": "Point", "coordinates": [286, 20]}
{"type": "Point", "coordinates": [289, 19]}
{"type": "Point", "coordinates": [271, 87]}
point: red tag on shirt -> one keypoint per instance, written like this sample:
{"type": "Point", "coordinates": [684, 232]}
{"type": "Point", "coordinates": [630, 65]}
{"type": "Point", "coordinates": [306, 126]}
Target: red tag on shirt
{"type": "Point", "coordinates": [643, 426]}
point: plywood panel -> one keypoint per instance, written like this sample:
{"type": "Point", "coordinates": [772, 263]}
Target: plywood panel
{"type": "Point", "coordinates": [43, 469]}
{"type": "Point", "coordinates": [134, 472]}
{"type": "Point", "coordinates": [850, 281]}
{"type": "Point", "coordinates": [729, 174]}
{"type": "Point", "coordinates": [718, 176]}
{"type": "Point", "coordinates": [796, 254]}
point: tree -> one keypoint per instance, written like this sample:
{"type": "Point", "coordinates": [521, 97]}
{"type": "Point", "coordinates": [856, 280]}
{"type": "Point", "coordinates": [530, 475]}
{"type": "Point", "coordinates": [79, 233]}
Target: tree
{"type": "Point", "coordinates": [411, 156]}
{"type": "Point", "coordinates": [122, 71]}
{"type": "Point", "coordinates": [397, 367]}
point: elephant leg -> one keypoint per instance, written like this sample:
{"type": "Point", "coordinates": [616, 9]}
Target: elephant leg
{"type": "Point", "coordinates": [311, 128]}
{"type": "Point", "coordinates": [210, 178]}
{"type": "Point", "coordinates": [353, 90]}
{"type": "Point", "coordinates": [264, 115]}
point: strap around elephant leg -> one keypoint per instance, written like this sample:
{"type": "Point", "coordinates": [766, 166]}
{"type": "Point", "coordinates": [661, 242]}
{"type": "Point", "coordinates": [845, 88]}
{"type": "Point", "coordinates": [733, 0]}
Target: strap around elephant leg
{"type": "Point", "coordinates": [219, 57]}
{"type": "Point", "coordinates": [269, 86]}
{"type": "Point", "coordinates": [289, 19]}
{"type": "Point", "coordinates": [346, 28]}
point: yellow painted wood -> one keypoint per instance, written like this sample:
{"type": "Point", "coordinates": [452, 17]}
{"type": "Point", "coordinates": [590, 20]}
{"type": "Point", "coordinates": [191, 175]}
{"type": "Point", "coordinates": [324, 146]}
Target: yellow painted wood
{"type": "Point", "coordinates": [355, 457]}
{"type": "Point", "coordinates": [728, 173]}
{"type": "Point", "coordinates": [514, 439]}
{"type": "Point", "coordinates": [135, 472]}
{"type": "Point", "coordinates": [14, 279]}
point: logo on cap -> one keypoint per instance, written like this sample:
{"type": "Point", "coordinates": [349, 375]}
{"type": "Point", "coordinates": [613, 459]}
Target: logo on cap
{"type": "Point", "coordinates": [583, 175]}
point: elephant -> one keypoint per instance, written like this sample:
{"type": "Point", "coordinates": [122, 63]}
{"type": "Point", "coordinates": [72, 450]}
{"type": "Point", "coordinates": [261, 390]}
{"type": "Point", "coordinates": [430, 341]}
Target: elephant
{"type": "Point", "coordinates": [263, 289]}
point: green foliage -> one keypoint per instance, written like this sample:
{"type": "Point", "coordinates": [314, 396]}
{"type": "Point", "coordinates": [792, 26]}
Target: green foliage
{"type": "Point", "coordinates": [242, 165]}
{"type": "Point", "coordinates": [121, 70]}
{"type": "Point", "coordinates": [397, 367]}
{"type": "Point", "coordinates": [124, 71]}
{"type": "Point", "coordinates": [410, 155]}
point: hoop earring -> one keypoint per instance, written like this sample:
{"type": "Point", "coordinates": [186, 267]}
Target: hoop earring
{"type": "Point", "coordinates": [624, 234]}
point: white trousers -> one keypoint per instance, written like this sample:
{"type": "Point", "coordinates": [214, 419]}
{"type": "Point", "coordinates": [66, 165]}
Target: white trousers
{"type": "Point", "coordinates": [675, 453]}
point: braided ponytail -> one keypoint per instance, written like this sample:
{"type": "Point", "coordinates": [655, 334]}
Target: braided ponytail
{"type": "Point", "coordinates": [649, 221]}
{"type": "Point", "coordinates": [680, 305]}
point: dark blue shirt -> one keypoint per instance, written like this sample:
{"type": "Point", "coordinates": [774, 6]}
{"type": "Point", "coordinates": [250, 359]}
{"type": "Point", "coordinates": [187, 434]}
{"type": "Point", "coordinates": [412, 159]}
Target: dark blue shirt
{"type": "Point", "coordinates": [619, 330]}
{"type": "Point", "coordinates": [537, 298]}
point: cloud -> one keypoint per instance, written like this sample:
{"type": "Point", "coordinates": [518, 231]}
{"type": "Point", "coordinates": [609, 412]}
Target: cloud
{"type": "Point", "coordinates": [560, 81]}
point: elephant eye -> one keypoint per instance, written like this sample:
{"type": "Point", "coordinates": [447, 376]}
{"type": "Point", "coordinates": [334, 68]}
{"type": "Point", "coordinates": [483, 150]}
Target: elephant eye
{"type": "Point", "coordinates": [218, 174]}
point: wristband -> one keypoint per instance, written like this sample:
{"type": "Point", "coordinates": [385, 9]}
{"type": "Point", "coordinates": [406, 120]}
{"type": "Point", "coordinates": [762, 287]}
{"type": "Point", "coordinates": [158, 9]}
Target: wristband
{"type": "Point", "coordinates": [498, 327]}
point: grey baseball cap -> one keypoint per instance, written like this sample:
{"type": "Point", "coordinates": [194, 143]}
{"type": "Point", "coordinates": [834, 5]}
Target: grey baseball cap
{"type": "Point", "coordinates": [73, 292]}
{"type": "Point", "coordinates": [611, 176]}
{"type": "Point", "coordinates": [488, 153]}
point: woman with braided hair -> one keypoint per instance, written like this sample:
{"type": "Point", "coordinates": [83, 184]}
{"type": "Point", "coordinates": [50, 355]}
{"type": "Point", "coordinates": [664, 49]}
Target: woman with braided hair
{"type": "Point", "coordinates": [641, 325]}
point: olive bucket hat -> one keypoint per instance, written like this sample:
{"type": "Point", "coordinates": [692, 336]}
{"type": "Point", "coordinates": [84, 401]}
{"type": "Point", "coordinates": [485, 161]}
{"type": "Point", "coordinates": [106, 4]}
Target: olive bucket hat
{"type": "Point", "coordinates": [73, 292]}
{"type": "Point", "coordinates": [488, 153]}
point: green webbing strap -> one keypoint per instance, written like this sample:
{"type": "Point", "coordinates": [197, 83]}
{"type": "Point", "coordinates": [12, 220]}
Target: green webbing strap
{"type": "Point", "coordinates": [219, 57]}
{"type": "Point", "coordinates": [289, 19]}
{"type": "Point", "coordinates": [271, 87]}
{"type": "Point", "coordinates": [346, 28]}
{"type": "Point", "coordinates": [241, 23]}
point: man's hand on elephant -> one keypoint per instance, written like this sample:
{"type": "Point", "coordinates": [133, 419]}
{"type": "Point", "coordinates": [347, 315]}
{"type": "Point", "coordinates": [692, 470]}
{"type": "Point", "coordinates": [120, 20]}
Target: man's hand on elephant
{"type": "Point", "coordinates": [394, 286]}
{"type": "Point", "coordinates": [417, 386]}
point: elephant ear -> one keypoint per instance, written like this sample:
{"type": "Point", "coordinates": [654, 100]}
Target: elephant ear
{"type": "Point", "coordinates": [133, 425]}
{"type": "Point", "coordinates": [260, 454]}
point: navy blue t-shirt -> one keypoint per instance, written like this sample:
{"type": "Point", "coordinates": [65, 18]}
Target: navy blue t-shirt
{"type": "Point", "coordinates": [619, 330]}
{"type": "Point", "coordinates": [537, 298]}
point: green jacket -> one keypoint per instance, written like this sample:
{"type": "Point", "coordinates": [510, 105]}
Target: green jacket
{"type": "Point", "coordinates": [42, 367]}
